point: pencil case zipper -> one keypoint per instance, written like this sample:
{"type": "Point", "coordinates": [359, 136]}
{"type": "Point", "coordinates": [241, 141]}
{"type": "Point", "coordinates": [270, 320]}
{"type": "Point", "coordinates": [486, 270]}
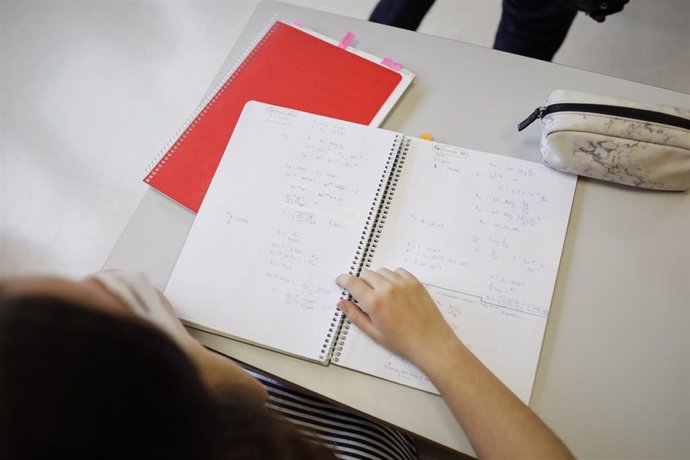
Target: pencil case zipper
{"type": "Point", "coordinates": [612, 110]}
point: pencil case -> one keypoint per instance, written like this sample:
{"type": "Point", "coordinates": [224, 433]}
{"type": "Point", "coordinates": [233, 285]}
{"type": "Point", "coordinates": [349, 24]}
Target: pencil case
{"type": "Point", "coordinates": [615, 140]}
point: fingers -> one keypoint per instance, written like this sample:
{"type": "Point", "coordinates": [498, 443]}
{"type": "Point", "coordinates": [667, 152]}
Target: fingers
{"type": "Point", "coordinates": [405, 275]}
{"type": "Point", "coordinates": [398, 276]}
{"type": "Point", "coordinates": [382, 277]}
{"type": "Point", "coordinates": [356, 287]}
{"type": "Point", "coordinates": [388, 275]}
{"type": "Point", "coordinates": [376, 280]}
{"type": "Point", "coordinates": [361, 287]}
{"type": "Point", "coordinates": [358, 317]}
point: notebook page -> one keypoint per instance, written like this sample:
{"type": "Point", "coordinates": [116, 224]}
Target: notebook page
{"type": "Point", "coordinates": [283, 217]}
{"type": "Point", "coordinates": [484, 233]}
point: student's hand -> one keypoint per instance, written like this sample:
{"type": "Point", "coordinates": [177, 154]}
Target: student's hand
{"type": "Point", "coordinates": [395, 310]}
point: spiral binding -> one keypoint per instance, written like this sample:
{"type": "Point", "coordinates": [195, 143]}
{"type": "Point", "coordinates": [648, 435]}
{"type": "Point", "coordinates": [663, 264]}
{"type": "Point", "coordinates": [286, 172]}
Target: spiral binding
{"type": "Point", "coordinates": [169, 149]}
{"type": "Point", "coordinates": [372, 232]}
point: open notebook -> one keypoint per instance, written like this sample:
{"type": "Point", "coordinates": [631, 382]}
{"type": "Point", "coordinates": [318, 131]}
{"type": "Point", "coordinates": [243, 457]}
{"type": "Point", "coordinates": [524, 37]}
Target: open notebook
{"type": "Point", "coordinates": [300, 198]}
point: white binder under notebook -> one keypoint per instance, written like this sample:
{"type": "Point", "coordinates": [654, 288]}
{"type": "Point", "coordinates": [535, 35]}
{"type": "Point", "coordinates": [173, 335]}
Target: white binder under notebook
{"type": "Point", "coordinates": [299, 198]}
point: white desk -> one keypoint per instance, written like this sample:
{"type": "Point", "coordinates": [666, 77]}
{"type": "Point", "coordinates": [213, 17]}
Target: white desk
{"type": "Point", "coordinates": [614, 375]}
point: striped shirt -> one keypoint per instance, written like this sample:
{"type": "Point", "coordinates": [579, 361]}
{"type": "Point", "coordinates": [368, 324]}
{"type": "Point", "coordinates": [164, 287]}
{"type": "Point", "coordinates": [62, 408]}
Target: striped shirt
{"type": "Point", "coordinates": [350, 436]}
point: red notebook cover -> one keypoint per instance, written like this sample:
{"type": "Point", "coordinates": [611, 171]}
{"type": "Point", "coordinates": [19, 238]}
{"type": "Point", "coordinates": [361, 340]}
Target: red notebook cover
{"type": "Point", "coordinates": [289, 68]}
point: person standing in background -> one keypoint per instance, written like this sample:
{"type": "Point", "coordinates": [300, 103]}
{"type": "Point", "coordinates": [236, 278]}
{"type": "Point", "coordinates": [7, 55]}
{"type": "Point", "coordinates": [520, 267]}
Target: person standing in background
{"type": "Point", "coordinates": [531, 28]}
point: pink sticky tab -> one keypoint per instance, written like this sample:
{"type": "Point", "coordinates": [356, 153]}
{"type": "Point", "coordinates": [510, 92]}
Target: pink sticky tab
{"type": "Point", "coordinates": [391, 64]}
{"type": "Point", "coordinates": [347, 40]}
{"type": "Point", "coordinates": [298, 23]}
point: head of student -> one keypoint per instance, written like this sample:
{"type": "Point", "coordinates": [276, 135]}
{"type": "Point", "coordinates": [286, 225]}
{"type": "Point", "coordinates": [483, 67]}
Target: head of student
{"type": "Point", "coordinates": [82, 375]}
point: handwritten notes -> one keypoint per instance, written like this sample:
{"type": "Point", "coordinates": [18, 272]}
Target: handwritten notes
{"type": "Point", "coordinates": [283, 217]}
{"type": "Point", "coordinates": [503, 339]}
{"type": "Point", "coordinates": [290, 207]}
{"type": "Point", "coordinates": [485, 234]}
{"type": "Point", "coordinates": [487, 225]}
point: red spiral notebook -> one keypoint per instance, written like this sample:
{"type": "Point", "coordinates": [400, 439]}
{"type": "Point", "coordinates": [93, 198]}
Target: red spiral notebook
{"type": "Point", "coordinates": [288, 67]}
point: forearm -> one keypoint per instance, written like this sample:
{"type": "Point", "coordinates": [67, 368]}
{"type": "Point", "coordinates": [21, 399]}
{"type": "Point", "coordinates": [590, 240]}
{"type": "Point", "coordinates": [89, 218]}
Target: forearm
{"type": "Point", "coordinates": [397, 311]}
{"type": "Point", "coordinates": [496, 422]}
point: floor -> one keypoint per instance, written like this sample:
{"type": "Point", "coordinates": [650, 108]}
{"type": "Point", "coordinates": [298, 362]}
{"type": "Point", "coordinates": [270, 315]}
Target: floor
{"type": "Point", "coordinates": [90, 91]}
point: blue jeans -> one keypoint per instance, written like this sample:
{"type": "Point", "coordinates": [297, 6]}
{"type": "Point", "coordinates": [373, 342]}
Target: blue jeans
{"type": "Point", "coordinates": [532, 28]}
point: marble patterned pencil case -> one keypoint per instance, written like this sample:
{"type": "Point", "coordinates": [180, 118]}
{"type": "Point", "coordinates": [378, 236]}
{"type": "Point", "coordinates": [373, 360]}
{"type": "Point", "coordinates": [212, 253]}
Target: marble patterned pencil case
{"type": "Point", "coordinates": [615, 140]}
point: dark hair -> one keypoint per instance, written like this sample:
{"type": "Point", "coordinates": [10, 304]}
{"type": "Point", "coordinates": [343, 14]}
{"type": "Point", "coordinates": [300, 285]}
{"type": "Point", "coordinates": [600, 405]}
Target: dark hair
{"type": "Point", "coordinates": [78, 382]}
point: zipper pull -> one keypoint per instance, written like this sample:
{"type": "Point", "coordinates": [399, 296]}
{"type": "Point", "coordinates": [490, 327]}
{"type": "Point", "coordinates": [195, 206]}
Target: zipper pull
{"type": "Point", "coordinates": [538, 113]}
